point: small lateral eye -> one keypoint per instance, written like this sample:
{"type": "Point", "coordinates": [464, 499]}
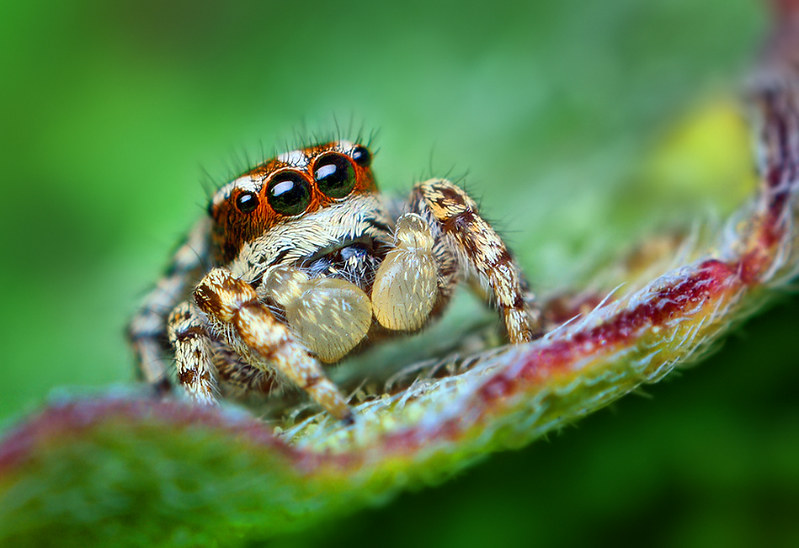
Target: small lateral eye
{"type": "Point", "coordinates": [334, 175]}
{"type": "Point", "coordinates": [288, 193]}
{"type": "Point", "coordinates": [247, 201]}
{"type": "Point", "coordinates": [362, 156]}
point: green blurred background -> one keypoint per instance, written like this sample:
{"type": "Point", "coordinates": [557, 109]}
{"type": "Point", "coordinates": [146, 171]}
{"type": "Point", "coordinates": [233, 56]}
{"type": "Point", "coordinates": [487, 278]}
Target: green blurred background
{"type": "Point", "coordinates": [114, 114]}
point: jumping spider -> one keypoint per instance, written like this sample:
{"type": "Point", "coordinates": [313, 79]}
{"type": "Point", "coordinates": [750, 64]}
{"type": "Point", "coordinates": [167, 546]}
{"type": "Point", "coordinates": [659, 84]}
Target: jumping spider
{"type": "Point", "coordinates": [300, 261]}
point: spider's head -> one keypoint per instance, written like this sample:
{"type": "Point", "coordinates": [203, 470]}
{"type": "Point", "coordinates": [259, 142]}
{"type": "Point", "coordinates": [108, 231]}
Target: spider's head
{"type": "Point", "coordinates": [290, 190]}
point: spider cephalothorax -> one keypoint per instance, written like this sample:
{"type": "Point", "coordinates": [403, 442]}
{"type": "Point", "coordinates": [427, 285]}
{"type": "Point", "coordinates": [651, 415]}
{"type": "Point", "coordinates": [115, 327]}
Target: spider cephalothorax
{"type": "Point", "coordinates": [309, 261]}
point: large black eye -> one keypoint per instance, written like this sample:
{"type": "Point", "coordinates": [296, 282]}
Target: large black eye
{"type": "Point", "coordinates": [362, 156]}
{"type": "Point", "coordinates": [247, 201]}
{"type": "Point", "coordinates": [288, 193]}
{"type": "Point", "coordinates": [334, 175]}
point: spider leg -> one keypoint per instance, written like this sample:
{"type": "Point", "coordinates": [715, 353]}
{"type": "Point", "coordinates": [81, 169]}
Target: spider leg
{"type": "Point", "coordinates": [238, 377]}
{"type": "Point", "coordinates": [236, 314]}
{"type": "Point", "coordinates": [147, 331]}
{"type": "Point", "coordinates": [479, 250]}
{"type": "Point", "coordinates": [193, 354]}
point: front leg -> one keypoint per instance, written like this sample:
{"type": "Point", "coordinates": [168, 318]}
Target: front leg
{"type": "Point", "coordinates": [480, 249]}
{"type": "Point", "coordinates": [193, 354]}
{"type": "Point", "coordinates": [237, 315]}
{"type": "Point", "coordinates": [147, 331]}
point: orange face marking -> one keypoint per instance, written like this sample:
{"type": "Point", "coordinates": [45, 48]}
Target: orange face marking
{"type": "Point", "coordinates": [285, 188]}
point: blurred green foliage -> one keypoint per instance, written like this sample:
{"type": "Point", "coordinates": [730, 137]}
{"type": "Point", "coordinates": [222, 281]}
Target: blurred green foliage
{"type": "Point", "coordinates": [114, 113]}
